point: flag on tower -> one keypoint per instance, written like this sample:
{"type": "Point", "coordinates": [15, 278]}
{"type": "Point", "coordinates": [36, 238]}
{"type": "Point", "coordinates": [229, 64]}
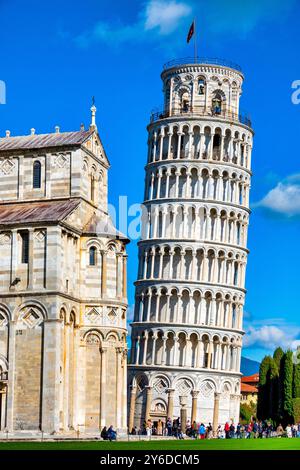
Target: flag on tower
{"type": "Point", "coordinates": [191, 32]}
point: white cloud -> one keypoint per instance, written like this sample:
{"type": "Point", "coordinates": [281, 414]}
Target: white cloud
{"type": "Point", "coordinates": [269, 337]}
{"type": "Point", "coordinates": [165, 15]}
{"type": "Point", "coordinates": [284, 198]}
{"type": "Point", "coordinates": [161, 16]}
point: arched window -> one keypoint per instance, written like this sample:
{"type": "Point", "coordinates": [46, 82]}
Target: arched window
{"type": "Point", "coordinates": [217, 103]}
{"type": "Point", "coordinates": [36, 174]}
{"type": "Point", "coordinates": [93, 256]}
{"type": "Point", "coordinates": [201, 86]}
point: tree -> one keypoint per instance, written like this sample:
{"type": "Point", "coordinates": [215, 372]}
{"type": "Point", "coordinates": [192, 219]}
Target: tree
{"type": "Point", "coordinates": [263, 400]}
{"type": "Point", "coordinates": [296, 379]}
{"type": "Point", "coordinates": [277, 356]}
{"type": "Point", "coordinates": [288, 410]}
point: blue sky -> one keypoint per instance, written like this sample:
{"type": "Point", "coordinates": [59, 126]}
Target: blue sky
{"type": "Point", "coordinates": [56, 55]}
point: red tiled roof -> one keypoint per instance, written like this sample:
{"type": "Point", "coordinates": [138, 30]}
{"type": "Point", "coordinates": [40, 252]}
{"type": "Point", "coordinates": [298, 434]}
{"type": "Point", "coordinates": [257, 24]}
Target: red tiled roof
{"type": "Point", "coordinates": [248, 388]}
{"type": "Point", "coordinates": [31, 212]}
{"type": "Point", "coordinates": [44, 140]}
{"type": "Point", "coordinates": [251, 378]}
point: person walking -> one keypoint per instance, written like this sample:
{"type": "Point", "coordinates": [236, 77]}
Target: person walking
{"type": "Point", "coordinates": [169, 427]}
{"type": "Point", "coordinates": [202, 431]}
{"type": "Point", "coordinates": [226, 429]}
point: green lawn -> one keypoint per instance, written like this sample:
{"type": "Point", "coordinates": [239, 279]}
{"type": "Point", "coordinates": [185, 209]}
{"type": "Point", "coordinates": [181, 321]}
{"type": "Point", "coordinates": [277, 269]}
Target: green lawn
{"type": "Point", "coordinates": [215, 444]}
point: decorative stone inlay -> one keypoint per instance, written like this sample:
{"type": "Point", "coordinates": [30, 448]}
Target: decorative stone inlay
{"type": "Point", "coordinates": [160, 386]}
{"type": "Point", "coordinates": [93, 314]}
{"type": "Point", "coordinates": [60, 160]}
{"type": "Point", "coordinates": [112, 314]}
{"type": "Point", "coordinates": [40, 235]}
{"type": "Point", "coordinates": [6, 166]}
{"type": "Point", "coordinates": [3, 320]}
{"type": "Point", "coordinates": [31, 317]}
{"type": "Point", "coordinates": [183, 387]}
{"type": "Point", "coordinates": [206, 389]}
{"type": "Point", "coordinates": [5, 239]}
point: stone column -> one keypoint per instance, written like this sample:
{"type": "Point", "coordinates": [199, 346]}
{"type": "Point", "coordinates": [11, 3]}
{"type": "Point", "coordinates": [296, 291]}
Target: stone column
{"type": "Point", "coordinates": [163, 354]}
{"type": "Point", "coordinates": [145, 265]}
{"type": "Point", "coordinates": [66, 349]}
{"type": "Point", "coordinates": [51, 375]}
{"type": "Point", "coordinates": [183, 413]}
{"type": "Point", "coordinates": [137, 350]}
{"type": "Point", "coordinates": [30, 259]}
{"type": "Point", "coordinates": [149, 306]}
{"type": "Point", "coordinates": [216, 412]}
{"type": "Point", "coordinates": [3, 408]}
{"type": "Point", "coordinates": [195, 394]}
{"type": "Point", "coordinates": [158, 185]}
{"type": "Point", "coordinates": [145, 349]}
{"type": "Point", "coordinates": [120, 386]}
{"type": "Point", "coordinates": [170, 403]}
{"type": "Point", "coordinates": [77, 358]}
{"type": "Point", "coordinates": [119, 275]}
{"type": "Point", "coordinates": [11, 376]}
{"type": "Point", "coordinates": [124, 390]}
{"type": "Point", "coordinates": [14, 257]}
{"type": "Point", "coordinates": [148, 402]}
{"type": "Point", "coordinates": [167, 184]}
{"type": "Point", "coordinates": [103, 274]}
{"type": "Point", "coordinates": [124, 276]}
{"type": "Point", "coordinates": [209, 358]}
{"type": "Point", "coordinates": [132, 407]}
{"type": "Point", "coordinates": [103, 387]}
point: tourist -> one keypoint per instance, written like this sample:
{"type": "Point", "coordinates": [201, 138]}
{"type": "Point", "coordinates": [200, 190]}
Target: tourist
{"type": "Point", "coordinates": [219, 432]}
{"type": "Point", "coordinates": [149, 428]}
{"type": "Point", "coordinates": [104, 434]}
{"type": "Point", "coordinates": [209, 431]}
{"type": "Point", "coordinates": [238, 431]}
{"type": "Point", "coordinates": [226, 430]}
{"type": "Point", "coordinates": [194, 430]}
{"type": "Point", "coordinates": [288, 430]}
{"type": "Point", "coordinates": [255, 430]}
{"type": "Point", "coordinates": [202, 431]}
{"type": "Point", "coordinates": [169, 427]}
{"type": "Point", "coordinates": [179, 432]}
{"type": "Point", "coordinates": [279, 431]}
{"type": "Point", "coordinates": [111, 434]}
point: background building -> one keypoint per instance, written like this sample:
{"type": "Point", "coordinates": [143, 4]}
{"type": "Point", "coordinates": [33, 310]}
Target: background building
{"type": "Point", "coordinates": [249, 389]}
{"type": "Point", "coordinates": [63, 360]}
{"type": "Point", "coordinates": [187, 329]}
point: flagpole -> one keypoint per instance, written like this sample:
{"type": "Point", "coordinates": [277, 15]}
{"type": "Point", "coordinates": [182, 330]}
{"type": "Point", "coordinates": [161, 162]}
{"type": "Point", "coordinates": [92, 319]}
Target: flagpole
{"type": "Point", "coordinates": [195, 40]}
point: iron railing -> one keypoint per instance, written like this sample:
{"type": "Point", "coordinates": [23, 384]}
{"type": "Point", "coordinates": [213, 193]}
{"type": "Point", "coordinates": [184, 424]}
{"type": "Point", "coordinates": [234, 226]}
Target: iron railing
{"type": "Point", "coordinates": [202, 61]}
{"type": "Point", "coordinates": [187, 111]}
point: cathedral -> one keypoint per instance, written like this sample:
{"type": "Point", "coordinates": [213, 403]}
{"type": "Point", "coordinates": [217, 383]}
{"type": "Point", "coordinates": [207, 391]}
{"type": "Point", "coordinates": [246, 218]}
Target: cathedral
{"type": "Point", "coordinates": [63, 299]}
{"type": "Point", "coordinates": [190, 291]}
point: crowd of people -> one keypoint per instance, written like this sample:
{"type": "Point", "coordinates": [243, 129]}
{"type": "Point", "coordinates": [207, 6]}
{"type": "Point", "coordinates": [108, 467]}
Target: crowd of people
{"type": "Point", "coordinates": [254, 429]}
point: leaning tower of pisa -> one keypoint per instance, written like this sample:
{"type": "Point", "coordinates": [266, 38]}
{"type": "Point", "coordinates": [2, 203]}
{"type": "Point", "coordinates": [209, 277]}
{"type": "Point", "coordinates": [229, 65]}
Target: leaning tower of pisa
{"type": "Point", "coordinates": [190, 291]}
